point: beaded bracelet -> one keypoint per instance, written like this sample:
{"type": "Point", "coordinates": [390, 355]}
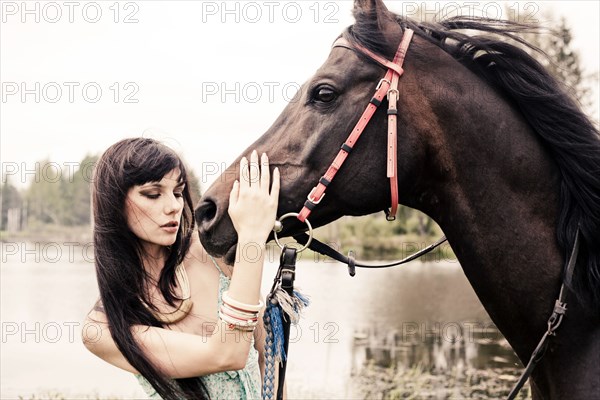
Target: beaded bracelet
{"type": "Point", "coordinates": [240, 325]}
{"type": "Point", "coordinates": [237, 317]}
{"type": "Point", "coordinates": [241, 306]}
{"type": "Point", "coordinates": [238, 313]}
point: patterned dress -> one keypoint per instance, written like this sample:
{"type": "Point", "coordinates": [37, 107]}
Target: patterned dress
{"type": "Point", "coordinates": [244, 384]}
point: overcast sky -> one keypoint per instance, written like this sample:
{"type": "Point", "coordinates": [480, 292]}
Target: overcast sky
{"type": "Point", "coordinates": [206, 77]}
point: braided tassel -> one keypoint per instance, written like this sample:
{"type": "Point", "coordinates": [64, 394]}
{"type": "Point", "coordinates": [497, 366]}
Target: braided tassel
{"type": "Point", "coordinates": [278, 301]}
{"type": "Point", "coordinates": [269, 379]}
{"type": "Point", "coordinates": [276, 319]}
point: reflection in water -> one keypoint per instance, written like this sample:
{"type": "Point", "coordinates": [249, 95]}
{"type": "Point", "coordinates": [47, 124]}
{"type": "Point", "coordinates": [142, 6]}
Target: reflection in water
{"type": "Point", "coordinates": [438, 346]}
{"type": "Point", "coordinates": [433, 360]}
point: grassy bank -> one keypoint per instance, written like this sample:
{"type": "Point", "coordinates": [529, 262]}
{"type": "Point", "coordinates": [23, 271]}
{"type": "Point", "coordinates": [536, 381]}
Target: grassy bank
{"type": "Point", "coordinates": [378, 383]}
{"type": "Point", "coordinates": [45, 233]}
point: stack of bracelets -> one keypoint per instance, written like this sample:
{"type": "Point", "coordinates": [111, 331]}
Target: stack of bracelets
{"type": "Point", "coordinates": [238, 315]}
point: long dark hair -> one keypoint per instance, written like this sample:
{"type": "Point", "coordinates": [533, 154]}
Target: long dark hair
{"type": "Point", "coordinates": [566, 132]}
{"type": "Point", "coordinates": [118, 253]}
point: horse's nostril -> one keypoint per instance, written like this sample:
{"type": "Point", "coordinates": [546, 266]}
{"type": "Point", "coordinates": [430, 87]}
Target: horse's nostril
{"type": "Point", "coordinates": [205, 213]}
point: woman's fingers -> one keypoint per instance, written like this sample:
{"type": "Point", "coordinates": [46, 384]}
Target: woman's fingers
{"type": "Point", "coordinates": [257, 175]}
{"type": "Point", "coordinates": [235, 193]}
{"type": "Point", "coordinates": [265, 174]}
{"type": "Point", "coordinates": [252, 201]}
{"type": "Point", "coordinates": [244, 173]}
{"type": "Point", "coordinates": [276, 185]}
{"type": "Point", "coordinates": [254, 169]}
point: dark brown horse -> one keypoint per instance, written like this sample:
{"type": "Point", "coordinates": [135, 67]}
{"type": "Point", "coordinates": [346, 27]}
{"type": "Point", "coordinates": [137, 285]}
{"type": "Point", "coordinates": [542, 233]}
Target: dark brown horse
{"type": "Point", "coordinates": [489, 145]}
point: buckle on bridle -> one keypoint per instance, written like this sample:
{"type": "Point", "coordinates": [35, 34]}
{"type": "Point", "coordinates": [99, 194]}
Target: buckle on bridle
{"type": "Point", "coordinates": [310, 195]}
{"type": "Point", "coordinates": [381, 83]}
{"type": "Point", "coordinates": [393, 91]}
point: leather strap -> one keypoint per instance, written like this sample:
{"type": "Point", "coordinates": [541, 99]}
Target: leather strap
{"type": "Point", "coordinates": [387, 86]}
{"type": "Point", "coordinates": [321, 248]}
{"type": "Point", "coordinates": [287, 267]}
{"type": "Point", "coordinates": [393, 93]}
{"type": "Point", "coordinates": [343, 42]}
{"type": "Point", "coordinates": [317, 193]}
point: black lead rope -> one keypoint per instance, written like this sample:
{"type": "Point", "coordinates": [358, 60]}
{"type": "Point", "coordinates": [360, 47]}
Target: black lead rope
{"type": "Point", "coordinates": [288, 273]}
{"type": "Point", "coordinates": [349, 260]}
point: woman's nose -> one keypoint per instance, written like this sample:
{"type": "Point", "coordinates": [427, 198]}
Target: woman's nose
{"type": "Point", "coordinates": [173, 205]}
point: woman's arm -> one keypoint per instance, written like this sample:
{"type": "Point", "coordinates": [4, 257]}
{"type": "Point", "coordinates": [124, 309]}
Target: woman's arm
{"type": "Point", "coordinates": [252, 208]}
{"type": "Point", "coordinates": [176, 354]}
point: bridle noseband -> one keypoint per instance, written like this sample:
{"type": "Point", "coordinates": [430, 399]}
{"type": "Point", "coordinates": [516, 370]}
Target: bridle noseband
{"type": "Point", "coordinates": [388, 86]}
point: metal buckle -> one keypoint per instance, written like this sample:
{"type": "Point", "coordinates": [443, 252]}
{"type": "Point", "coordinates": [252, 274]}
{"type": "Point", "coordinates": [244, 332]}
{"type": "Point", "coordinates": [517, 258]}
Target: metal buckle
{"type": "Point", "coordinates": [315, 202]}
{"type": "Point", "coordinates": [389, 216]}
{"type": "Point", "coordinates": [393, 91]}
{"type": "Point", "coordinates": [381, 83]}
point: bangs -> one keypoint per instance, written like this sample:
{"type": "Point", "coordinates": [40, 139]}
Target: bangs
{"type": "Point", "coordinates": [153, 166]}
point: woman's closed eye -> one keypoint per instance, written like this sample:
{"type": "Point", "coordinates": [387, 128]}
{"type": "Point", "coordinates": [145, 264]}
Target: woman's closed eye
{"type": "Point", "coordinates": [155, 196]}
{"type": "Point", "coordinates": [152, 196]}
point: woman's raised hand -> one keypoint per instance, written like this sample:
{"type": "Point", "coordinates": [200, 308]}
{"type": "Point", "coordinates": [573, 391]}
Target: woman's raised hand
{"type": "Point", "coordinates": [252, 201]}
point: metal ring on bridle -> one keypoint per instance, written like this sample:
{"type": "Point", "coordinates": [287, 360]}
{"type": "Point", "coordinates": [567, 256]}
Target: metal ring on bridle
{"type": "Point", "coordinates": [293, 214]}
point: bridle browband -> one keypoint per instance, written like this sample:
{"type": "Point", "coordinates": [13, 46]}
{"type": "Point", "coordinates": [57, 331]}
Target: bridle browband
{"type": "Point", "coordinates": [388, 86]}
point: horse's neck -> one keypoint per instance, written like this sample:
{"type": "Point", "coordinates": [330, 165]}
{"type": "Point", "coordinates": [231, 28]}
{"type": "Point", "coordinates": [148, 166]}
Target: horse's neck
{"type": "Point", "coordinates": [499, 209]}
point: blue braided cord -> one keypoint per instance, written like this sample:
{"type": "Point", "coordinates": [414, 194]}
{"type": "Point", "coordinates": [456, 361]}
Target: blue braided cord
{"type": "Point", "coordinates": [269, 377]}
{"type": "Point", "coordinates": [277, 329]}
{"type": "Point", "coordinates": [274, 343]}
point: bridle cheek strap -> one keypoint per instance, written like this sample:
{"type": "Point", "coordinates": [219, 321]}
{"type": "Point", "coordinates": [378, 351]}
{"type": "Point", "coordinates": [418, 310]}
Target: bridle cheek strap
{"type": "Point", "coordinates": [386, 86]}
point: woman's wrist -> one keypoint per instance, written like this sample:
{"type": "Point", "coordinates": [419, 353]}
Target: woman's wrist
{"type": "Point", "coordinates": [252, 239]}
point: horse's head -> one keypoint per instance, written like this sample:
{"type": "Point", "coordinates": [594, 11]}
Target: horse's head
{"type": "Point", "coordinates": [306, 137]}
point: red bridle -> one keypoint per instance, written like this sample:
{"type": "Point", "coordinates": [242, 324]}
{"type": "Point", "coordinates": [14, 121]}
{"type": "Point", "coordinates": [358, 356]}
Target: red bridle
{"type": "Point", "coordinates": [386, 86]}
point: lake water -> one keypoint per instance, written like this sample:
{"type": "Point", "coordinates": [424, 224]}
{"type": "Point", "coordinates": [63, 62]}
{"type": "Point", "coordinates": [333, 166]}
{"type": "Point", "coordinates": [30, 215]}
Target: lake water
{"type": "Point", "coordinates": [421, 315]}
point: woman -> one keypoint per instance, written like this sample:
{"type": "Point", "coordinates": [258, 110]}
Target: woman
{"type": "Point", "coordinates": [168, 312]}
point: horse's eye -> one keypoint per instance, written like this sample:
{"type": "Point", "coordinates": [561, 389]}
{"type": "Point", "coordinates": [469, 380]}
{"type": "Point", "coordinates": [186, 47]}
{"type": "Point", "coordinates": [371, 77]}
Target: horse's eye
{"type": "Point", "coordinates": [324, 94]}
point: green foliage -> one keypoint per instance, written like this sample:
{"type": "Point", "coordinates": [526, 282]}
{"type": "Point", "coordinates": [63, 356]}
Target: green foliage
{"type": "Point", "coordinates": [560, 59]}
{"type": "Point", "coordinates": [76, 207]}
{"type": "Point", "coordinates": [372, 237]}
{"type": "Point", "coordinates": [44, 195]}
{"type": "Point", "coordinates": [60, 196]}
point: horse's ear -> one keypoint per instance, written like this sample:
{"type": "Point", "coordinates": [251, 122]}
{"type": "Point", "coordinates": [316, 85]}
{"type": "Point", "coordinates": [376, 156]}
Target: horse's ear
{"type": "Point", "coordinates": [375, 15]}
{"type": "Point", "coordinates": [370, 6]}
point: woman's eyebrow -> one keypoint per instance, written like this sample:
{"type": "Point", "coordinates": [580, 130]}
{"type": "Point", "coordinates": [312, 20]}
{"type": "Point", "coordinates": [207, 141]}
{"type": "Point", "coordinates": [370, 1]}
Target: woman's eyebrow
{"type": "Point", "coordinates": [153, 184]}
{"type": "Point", "coordinates": [160, 185]}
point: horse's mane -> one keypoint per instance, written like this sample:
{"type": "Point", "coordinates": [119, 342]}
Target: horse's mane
{"type": "Point", "coordinates": [567, 133]}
